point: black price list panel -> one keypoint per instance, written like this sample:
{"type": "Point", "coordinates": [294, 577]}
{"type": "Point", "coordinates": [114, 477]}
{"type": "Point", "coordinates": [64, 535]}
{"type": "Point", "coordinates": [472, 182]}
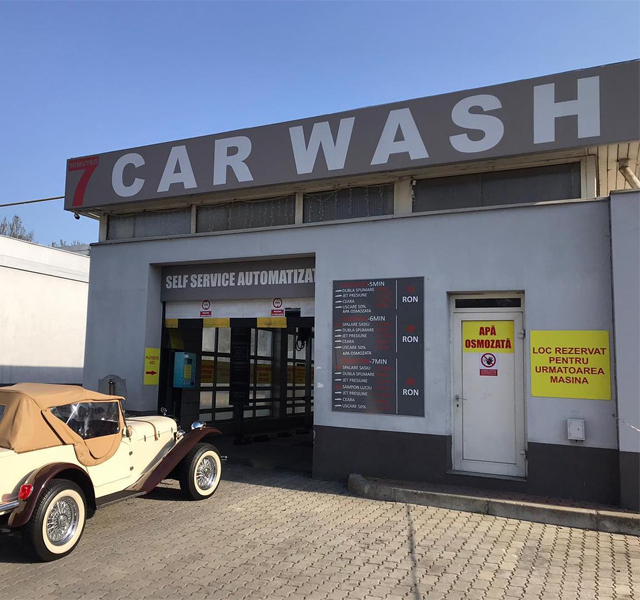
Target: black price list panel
{"type": "Point", "coordinates": [378, 347]}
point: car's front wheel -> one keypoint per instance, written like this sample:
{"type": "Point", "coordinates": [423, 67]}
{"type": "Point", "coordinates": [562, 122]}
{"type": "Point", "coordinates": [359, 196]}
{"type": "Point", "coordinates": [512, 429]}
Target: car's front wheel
{"type": "Point", "coordinates": [200, 472]}
{"type": "Point", "coordinates": [58, 521]}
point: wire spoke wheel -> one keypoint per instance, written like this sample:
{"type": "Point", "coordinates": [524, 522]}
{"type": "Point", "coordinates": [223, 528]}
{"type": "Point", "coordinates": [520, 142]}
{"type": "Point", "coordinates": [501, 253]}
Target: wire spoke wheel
{"type": "Point", "coordinates": [57, 522]}
{"type": "Point", "coordinates": [63, 520]}
{"type": "Point", "coordinates": [200, 472]}
{"type": "Point", "coordinates": [206, 473]}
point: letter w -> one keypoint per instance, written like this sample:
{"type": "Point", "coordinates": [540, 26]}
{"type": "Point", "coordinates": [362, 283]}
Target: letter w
{"type": "Point", "coordinates": [335, 152]}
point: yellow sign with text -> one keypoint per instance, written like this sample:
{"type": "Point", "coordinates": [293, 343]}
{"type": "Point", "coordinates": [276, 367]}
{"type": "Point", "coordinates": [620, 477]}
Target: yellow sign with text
{"type": "Point", "coordinates": [206, 371]}
{"type": "Point", "coordinates": [487, 336]}
{"type": "Point", "coordinates": [571, 364]}
{"type": "Point", "coordinates": [263, 375]}
{"type": "Point", "coordinates": [175, 335]}
{"type": "Point", "coordinates": [151, 366]}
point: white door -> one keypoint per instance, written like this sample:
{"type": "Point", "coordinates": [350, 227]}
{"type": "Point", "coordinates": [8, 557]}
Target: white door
{"type": "Point", "coordinates": [111, 476]}
{"type": "Point", "coordinates": [488, 368]}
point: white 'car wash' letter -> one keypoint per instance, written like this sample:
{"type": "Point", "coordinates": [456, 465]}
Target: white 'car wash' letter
{"type": "Point", "coordinates": [492, 127]}
{"type": "Point", "coordinates": [546, 110]}
{"type": "Point", "coordinates": [117, 174]}
{"type": "Point", "coordinates": [178, 158]}
{"type": "Point", "coordinates": [222, 159]}
{"type": "Point", "coordinates": [400, 119]}
{"type": "Point", "coordinates": [335, 152]}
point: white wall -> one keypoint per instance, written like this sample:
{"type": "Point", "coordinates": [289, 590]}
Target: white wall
{"type": "Point", "coordinates": [558, 254]}
{"type": "Point", "coordinates": [43, 311]}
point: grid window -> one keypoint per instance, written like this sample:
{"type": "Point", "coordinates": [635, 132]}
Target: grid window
{"type": "Point", "coordinates": [280, 374]}
{"type": "Point", "coordinates": [348, 203]}
{"type": "Point", "coordinates": [242, 214]}
{"type": "Point", "coordinates": [149, 224]}
{"type": "Point", "coordinates": [215, 375]}
{"type": "Point", "coordinates": [299, 377]}
{"type": "Point", "coordinates": [517, 186]}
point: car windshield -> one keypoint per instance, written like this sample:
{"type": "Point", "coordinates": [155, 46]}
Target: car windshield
{"type": "Point", "coordinates": [90, 419]}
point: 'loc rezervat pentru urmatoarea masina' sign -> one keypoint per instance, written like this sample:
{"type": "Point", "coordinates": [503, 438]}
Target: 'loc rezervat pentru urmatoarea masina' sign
{"type": "Point", "coordinates": [571, 364]}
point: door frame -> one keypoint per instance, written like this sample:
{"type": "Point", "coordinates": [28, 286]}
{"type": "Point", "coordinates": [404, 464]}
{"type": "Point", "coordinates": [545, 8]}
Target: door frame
{"type": "Point", "coordinates": [456, 375]}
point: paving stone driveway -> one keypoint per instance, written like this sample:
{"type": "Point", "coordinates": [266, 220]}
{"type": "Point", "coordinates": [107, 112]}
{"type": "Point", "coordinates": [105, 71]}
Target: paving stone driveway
{"type": "Point", "coordinates": [273, 534]}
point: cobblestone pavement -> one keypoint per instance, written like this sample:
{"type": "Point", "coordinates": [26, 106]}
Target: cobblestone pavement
{"type": "Point", "coordinates": [273, 534]}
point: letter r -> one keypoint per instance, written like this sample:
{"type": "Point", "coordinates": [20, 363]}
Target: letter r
{"type": "Point", "coordinates": [222, 159]}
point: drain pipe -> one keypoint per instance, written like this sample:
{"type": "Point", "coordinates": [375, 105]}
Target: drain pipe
{"type": "Point", "coordinates": [628, 174]}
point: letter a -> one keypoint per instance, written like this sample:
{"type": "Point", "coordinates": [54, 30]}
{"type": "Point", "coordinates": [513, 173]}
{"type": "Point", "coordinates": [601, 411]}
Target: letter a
{"type": "Point", "coordinates": [399, 120]}
{"type": "Point", "coordinates": [177, 170]}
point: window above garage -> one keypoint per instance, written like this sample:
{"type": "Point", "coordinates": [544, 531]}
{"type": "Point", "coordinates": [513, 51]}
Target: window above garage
{"type": "Point", "coordinates": [246, 215]}
{"type": "Point", "coordinates": [496, 188]}
{"type": "Point", "coordinates": [149, 224]}
{"type": "Point", "coordinates": [348, 203]}
{"type": "Point", "coordinates": [392, 195]}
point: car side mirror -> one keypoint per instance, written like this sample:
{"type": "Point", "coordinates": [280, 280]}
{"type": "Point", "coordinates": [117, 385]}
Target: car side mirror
{"type": "Point", "coordinates": [128, 431]}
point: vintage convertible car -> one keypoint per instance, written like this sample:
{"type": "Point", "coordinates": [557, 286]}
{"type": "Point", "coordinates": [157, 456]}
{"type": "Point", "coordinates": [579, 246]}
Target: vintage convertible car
{"type": "Point", "coordinates": [66, 451]}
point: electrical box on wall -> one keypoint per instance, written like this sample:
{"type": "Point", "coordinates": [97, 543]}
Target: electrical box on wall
{"type": "Point", "coordinates": [575, 430]}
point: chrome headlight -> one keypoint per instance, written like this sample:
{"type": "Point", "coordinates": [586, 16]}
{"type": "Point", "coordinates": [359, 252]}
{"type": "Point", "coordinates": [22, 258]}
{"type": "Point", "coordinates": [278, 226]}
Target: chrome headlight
{"type": "Point", "coordinates": [197, 425]}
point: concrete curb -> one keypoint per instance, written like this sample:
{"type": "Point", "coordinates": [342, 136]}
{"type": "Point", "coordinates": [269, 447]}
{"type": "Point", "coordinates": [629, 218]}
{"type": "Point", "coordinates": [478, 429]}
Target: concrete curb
{"type": "Point", "coordinates": [565, 516]}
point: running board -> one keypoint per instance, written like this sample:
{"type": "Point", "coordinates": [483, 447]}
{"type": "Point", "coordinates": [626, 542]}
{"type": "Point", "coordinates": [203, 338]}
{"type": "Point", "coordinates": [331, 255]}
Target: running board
{"type": "Point", "coordinates": [115, 498]}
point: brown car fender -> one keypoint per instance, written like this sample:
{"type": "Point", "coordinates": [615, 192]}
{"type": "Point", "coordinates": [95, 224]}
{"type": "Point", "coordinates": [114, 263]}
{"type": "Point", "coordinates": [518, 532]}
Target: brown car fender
{"type": "Point", "coordinates": [171, 460]}
{"type": "Point", "coordinates": [40, 478]}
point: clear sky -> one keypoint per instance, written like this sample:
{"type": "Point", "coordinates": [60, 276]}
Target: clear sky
{"type": "Point", "coordinates": [86, 77]}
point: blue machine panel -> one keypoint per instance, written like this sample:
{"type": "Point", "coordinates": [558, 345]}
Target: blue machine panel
{"type": "Point", "coordinates": [184, 370]}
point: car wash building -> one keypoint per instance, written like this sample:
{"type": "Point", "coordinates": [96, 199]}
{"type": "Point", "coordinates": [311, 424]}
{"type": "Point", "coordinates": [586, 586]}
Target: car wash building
{"type": "Point", "coordinates": [445, 289]}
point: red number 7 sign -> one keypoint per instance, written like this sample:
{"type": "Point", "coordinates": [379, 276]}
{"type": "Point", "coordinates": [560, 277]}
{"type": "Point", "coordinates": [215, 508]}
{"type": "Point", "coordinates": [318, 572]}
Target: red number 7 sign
{"type": "Point", "coordinates": [88, 165]}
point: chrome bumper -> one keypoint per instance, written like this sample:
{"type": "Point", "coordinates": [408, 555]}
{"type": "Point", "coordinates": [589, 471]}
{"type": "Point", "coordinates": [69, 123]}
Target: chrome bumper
{"type": "Point", "coordinates": [10, 506]}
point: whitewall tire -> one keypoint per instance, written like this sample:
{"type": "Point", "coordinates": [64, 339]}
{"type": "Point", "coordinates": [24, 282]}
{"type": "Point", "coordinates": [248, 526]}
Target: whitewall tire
{"type": "Point", "coordinates": [200, 472]}
{"type": "Point", "coordinates": [58, 521]}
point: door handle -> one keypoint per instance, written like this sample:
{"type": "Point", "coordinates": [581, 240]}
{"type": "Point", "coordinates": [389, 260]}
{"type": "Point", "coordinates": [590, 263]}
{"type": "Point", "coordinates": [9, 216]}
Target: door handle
{"type": "Point", "coordinates": [458, 398]}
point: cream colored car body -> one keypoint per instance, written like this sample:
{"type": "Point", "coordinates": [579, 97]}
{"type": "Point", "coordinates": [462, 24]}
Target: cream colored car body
{"type": "Point", "coordinates": [152, 438]}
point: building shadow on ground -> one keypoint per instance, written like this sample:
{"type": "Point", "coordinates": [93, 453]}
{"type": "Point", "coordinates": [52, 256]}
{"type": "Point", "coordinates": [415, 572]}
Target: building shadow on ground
{"type": "Point", "coordinates": [11, 550]}
{"type": "Point", "coordinates": [268, 476]}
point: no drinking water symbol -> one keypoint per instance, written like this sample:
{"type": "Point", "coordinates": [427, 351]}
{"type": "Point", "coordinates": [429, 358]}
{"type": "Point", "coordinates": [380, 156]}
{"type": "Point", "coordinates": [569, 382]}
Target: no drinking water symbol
{"type": "Point", "coordinates": [488, 360]}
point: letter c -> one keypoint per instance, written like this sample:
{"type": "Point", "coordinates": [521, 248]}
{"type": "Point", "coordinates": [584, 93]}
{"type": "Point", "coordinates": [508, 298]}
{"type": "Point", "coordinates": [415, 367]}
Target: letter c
{"type": "Point", "coordinates": [117, 176]}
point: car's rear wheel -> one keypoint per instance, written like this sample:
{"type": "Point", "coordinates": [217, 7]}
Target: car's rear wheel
{"type": "Point", "coordinates": [200, 472]}
{"type": "Point", "coordinates": [58, 521]}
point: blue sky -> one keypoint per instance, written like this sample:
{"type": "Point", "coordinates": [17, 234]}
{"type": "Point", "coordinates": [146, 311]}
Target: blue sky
{"type": "Point", "coordinates": [86, 77]}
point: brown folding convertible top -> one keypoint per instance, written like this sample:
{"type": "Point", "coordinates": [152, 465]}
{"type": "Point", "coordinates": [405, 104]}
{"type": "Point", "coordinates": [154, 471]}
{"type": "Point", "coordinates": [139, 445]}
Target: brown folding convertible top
{"type": "Point", "coordinates": [27, 423]}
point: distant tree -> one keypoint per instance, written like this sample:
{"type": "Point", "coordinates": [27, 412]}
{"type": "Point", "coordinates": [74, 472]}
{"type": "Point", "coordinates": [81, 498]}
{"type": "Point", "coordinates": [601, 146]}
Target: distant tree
{"type": "Point", "coordinates": [64, 244]}
{"type": "Point", "coordinates": [15, 229]}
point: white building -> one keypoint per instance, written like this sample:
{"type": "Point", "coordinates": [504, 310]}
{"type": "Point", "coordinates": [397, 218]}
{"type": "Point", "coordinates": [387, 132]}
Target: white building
{"type": "Point", "coordinates": [451, 284]}
{"type": "Point", "coordinates": [43, 313]}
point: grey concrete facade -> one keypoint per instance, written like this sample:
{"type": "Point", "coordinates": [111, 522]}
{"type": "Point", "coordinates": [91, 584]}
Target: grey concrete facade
{"type": "Point", "coordinates": [558, 255]}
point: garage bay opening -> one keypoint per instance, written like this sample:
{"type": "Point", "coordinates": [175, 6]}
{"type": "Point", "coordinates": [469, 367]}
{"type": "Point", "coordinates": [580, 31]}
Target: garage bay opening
{"type": "Point", "coordinates": [251, 378]}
